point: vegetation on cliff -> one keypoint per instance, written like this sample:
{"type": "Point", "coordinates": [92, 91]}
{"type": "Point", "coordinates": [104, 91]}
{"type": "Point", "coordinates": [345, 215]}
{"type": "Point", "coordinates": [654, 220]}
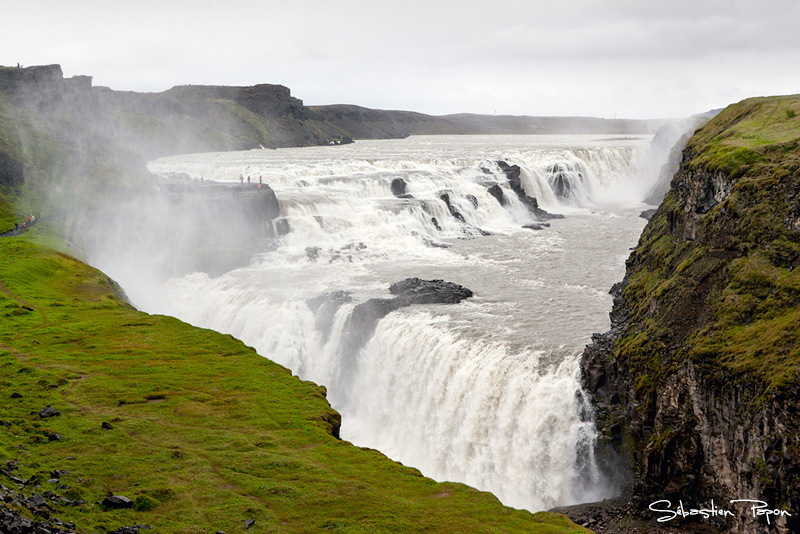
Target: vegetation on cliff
{"type": "Point", "coordinates": [696, 384]}
{"type": "Point", "coordinates": [714, 275]}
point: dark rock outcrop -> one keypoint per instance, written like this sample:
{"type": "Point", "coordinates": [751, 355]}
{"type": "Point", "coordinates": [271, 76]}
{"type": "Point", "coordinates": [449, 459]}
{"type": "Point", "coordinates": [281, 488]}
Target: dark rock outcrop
{"type": "Point", "coordinates": [117, 501]}
{"type": "Point", "coordinates": [497, 192]}
{"type": "Point", "coordinates": [418, 291]}
{"type": "Point", "coordinates": [452, 209]}
{"type": "Point", "coordinates": [398, 187]}
{"type": "Point", "coordinates": [513, 173]}
{"type": "Point", "coordinates": [407, 292]}
{"type": "Point", "coordinates": [48, 411]}
{"type": "Point", "coordinates": [535, 226]}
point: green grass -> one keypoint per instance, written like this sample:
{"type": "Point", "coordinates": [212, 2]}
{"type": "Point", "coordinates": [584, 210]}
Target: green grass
{"type": "Point", "coordinates": [741, 135]}
{"type": "Point", "coordinates": [206, 433]}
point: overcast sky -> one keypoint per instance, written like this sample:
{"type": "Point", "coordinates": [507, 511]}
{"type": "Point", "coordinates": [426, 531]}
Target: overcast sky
{"type": "Point", "coordinates": [606, 58]}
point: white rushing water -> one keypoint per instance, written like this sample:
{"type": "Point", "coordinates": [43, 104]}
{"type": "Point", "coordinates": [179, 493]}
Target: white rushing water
{"type": "Point", "coordinates": [484, 392]}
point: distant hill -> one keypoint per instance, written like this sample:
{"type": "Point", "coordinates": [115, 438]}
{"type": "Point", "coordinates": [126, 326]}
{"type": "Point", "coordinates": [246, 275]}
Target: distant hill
{"type": "Point", "coordinates": [365, 123]}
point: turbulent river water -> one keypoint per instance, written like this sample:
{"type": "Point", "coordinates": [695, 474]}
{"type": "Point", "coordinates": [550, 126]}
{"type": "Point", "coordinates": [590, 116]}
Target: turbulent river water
{"type": "Point", "coordinates": [486, 391]}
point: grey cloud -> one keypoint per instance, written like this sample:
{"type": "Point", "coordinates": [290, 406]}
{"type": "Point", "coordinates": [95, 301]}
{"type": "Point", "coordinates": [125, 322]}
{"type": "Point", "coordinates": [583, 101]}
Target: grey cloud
{"type": "Point", "coordinates": [630, 57]}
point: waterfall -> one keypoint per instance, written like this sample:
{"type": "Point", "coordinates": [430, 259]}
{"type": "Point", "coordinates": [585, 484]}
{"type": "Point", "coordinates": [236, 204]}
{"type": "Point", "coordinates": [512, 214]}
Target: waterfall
{"type": "Point", "coordinates": [484, 392]}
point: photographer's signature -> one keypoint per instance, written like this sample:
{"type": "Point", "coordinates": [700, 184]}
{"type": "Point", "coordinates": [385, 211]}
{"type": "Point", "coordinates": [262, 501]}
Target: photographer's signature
{"type": "Point", "coordinates": [757, 508]}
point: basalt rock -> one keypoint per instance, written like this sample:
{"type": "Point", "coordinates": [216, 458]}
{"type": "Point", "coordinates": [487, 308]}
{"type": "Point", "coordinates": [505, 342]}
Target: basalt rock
{"type": "Point", "coordinates": [497, 192]}
{"type": "Point", "coordinates": [418, 291]}
{"type": "Point", "coordinates": [452, 209]}
{"type": "Point", "coordinates": [48, 411]}
{"type": "Point", "coordinates": [407, 292]}
{"type": "Point", "coordinates": [10, 171]}
{"type": "Point", "coordinates": [513, 173]}
{"type": "Point", "coordinates": [398, 187]}
{"type": "Point", "coordinates": [117, 501]}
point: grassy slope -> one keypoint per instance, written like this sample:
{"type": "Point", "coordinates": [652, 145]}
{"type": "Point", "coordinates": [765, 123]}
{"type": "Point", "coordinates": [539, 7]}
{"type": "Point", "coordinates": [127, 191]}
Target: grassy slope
{"type": "Point", "coordinates": [729, 299]}
{"type": "Point", "coordinates": [206, 433]}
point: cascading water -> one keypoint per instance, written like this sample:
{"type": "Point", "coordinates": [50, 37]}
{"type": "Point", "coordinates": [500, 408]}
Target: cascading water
{"type": "Point", "coordinates": [485, 392]}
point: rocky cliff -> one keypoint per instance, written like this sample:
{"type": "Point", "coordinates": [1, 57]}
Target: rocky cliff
{"type": "Point", "coordinates": [696, 384]}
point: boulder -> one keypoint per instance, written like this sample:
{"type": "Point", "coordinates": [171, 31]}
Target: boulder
{"type": "Point", "coordinates": [117, 501]}
{"type": "Point", "coordinates": [398, 187]}
{"type": "Point", "coordinates": [48, 411]}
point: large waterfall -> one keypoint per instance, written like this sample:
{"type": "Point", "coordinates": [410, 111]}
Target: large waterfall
{"type": "Point", "coordinates": [484, 392]}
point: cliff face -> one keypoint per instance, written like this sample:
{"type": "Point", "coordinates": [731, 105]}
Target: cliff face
{"type": "Point", "coordinates": [696, 384]}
